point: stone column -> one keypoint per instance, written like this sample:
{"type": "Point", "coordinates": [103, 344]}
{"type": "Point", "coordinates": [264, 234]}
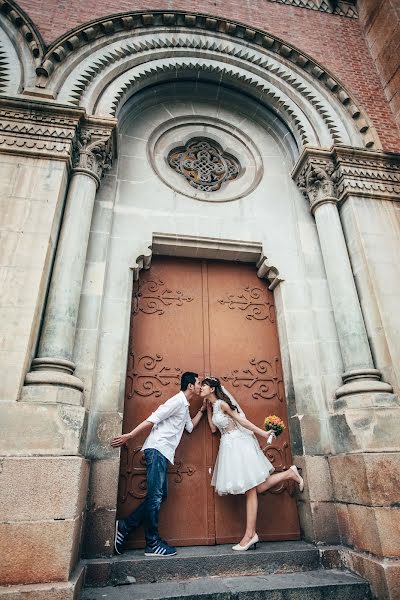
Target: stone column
{"type": "Point", "coordinates": [53, 365]}
{"type": "Point", "coordinates": [314, 175]}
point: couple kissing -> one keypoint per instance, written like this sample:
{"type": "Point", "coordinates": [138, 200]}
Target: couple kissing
{"type": "Point", "coordinates": [240, 467]}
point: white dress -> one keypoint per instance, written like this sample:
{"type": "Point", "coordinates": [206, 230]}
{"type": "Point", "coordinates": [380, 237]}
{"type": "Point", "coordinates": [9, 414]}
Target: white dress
{"type": "Point", "coordinates": [240, 463]}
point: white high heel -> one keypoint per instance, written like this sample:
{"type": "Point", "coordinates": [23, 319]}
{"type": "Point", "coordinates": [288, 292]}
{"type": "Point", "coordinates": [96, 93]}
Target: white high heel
{"type": "Point", "coordinates": [252, 543]}
{"type": "Point", "coordinates": [301, 482]}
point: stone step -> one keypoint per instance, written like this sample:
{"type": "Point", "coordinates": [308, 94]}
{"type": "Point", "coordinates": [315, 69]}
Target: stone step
{"type": "Point", "coordinates": [202, 561]}
{"type": "Point", "coordinates": [309, 585]}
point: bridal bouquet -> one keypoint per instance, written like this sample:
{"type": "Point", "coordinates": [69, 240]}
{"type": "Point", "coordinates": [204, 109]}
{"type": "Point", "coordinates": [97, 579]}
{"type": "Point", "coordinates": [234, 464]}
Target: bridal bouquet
{"type": "Point", "coordinates": [275, 425]}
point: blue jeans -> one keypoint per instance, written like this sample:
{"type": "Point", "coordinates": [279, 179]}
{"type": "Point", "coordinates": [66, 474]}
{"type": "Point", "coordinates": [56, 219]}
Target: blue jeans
{"type": "Point", "coordinates": [157, 491]}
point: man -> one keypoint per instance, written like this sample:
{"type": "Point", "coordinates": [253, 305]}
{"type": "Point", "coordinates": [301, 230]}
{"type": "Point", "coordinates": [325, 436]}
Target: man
{"type": "Point", "coordinates": [167, 424]}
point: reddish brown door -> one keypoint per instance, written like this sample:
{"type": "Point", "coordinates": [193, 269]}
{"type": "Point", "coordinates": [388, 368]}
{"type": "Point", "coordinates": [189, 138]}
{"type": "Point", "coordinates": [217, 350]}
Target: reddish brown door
{"type": "Point", "coordinates": [214, 318]}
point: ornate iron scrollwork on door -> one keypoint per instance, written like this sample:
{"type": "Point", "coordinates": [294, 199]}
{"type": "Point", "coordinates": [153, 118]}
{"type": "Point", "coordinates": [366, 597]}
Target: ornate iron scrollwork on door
{"type": "Point", "coordinates": [204, 164]}
{"type": "Point", "coordinates": [263, 377]}
{"type": "Point", "coordinates": [149, 375]}
{"type": "Point", "coordinates": [153, 296]}
{"type": "Point", "coordinates": [254, 302]}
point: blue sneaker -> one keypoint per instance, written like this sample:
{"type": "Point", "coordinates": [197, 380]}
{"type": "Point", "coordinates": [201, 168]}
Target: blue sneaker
{"type": "Point", "coordinates": [121, 533]}
{"type": "Point", "coordinates": [160, 548]}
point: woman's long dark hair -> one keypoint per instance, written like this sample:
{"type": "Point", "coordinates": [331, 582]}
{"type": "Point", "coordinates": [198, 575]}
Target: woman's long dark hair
{"type": "Point", "coordinates": [215, 383]}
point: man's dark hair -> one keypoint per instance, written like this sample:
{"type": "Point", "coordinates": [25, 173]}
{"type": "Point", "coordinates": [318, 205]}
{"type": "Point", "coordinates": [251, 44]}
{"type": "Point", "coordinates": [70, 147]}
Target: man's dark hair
{"type": "Point", "coordinates": [188, 377]}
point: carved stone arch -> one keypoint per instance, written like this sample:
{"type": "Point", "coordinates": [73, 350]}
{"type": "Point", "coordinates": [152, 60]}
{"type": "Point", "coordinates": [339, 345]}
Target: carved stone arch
{"type": "Point", "coordinates": [21, 49]}
{"type": "Point", "coordinates": [295, 69]}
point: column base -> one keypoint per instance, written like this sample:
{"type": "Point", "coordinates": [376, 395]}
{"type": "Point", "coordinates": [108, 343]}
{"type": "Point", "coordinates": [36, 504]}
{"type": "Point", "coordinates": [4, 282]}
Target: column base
{"type": "Point", "coordinates": [359, 381]}
{"type": "Point", "coordinates": [53, 371]}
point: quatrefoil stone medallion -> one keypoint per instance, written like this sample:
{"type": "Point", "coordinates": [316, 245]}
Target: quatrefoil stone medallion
{"type": "Point", "coordinates": [204, 164]}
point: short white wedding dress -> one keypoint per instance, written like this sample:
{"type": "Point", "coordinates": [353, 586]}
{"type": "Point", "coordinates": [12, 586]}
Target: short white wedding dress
{"type": "Point", "coordinates": [240, 463]}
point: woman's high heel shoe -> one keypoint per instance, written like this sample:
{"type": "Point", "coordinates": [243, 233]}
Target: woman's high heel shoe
{"type": "Point", "coordinates": [301, 482]}
{"type": "Point", "coordinates": [252, 544]}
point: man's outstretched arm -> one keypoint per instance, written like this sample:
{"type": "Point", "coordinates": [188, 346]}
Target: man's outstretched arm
{"type": "Point", "coordinates": [120, 440]}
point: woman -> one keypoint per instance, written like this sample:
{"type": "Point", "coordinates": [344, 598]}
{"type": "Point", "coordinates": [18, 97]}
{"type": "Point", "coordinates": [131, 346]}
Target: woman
{"type": "Point", "coordinates": [241, 467]}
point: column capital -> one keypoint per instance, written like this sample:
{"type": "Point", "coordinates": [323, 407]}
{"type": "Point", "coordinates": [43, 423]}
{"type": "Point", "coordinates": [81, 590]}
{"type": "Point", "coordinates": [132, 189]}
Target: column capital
{"type": "Point", "coordinates": [314, 175]}
{"type": "Point", "coordinates": [347, 172]}
{"type": "Point", "coordinates": [94, 148]}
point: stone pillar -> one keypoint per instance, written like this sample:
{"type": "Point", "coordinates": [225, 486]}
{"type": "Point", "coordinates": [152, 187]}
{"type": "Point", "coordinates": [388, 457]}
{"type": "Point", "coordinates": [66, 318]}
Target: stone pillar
{"type": "Point", "coordinates": [314, 176]}
{"type": "Point", "coordinates": [361, 244]}
{"type": "Point", "coordinates": [53, 365]}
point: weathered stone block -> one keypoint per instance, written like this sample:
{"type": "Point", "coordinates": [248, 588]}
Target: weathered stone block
{"type": "Point", "coordinates": [38, 551]}
{"type": "Point", "coordinates": [358, 430]}
{"type": "Point", "coordinates": [103, 486]}
{"type": "Point", "coordinates": [317, 478]}
{"type": "Point", "coordinates": [65, 590]}
{"type": "Point", "coordinates": [318, 522]}
{"type": "Point", "coordinates": [46, 429]}
{"type": "Point", "coordinates": [57, 488]}
{"type": "Point", "coordinates": [371, 529]}
{"type": "Point", "coordinates": [370, 479]}
{"type": "Point", "coordinates": [99, 533]}
{"type": "Point", "coordinates": [382, 575]}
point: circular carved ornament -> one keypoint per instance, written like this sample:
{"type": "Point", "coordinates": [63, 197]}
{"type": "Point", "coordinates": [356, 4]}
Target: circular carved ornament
{"type": "Point", "coordinates": [205, 158]}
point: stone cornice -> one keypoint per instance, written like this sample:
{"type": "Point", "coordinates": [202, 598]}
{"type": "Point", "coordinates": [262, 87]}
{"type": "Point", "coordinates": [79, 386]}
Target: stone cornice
{"type": "Point", "coordinates": [44, 129]}
{"type": "Point", "coordinates": [348, 172]}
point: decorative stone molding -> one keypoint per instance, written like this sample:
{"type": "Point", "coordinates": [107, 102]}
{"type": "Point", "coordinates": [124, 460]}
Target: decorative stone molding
{"type": "Point", "coordinates": [367, 174]}
{"type": "Point", "coordinates": [347, 172]}
{"type": "Point", "coordinates": [22, 23]}
{"type": "Point", "coordinates": [122, 51]}
{"type": "Point", "coordinates": [344, 8]}
{"type": "Point", "coordinates": [92, 152]}
{"type": "Point", "coordinates": [124, 24]}
{"type": "Point", "coordinates": [36, 128]}
{"type": "Point", "coordinates": [208, 248]}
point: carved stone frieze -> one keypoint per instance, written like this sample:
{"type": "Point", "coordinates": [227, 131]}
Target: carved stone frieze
{"type": "Point", "coordinates": [336, 174]}
{"type": "Point", "coordinates": [37, 130]}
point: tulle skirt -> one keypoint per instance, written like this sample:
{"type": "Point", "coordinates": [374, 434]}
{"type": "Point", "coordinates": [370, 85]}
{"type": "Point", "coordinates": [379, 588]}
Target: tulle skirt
{"type": "Point", "coordinates": [240, 464]}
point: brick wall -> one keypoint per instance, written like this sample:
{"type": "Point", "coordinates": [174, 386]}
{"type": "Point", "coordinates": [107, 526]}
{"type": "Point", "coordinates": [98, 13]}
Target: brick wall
{"type": "Point", "coordinates": [336, 42]}
{"type": "Point", "coordinates": [380, 20]}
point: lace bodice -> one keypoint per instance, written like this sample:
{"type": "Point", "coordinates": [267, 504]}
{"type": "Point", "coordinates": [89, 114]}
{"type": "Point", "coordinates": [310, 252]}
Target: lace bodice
{"type": "Point", "coordinates": [224, 422]}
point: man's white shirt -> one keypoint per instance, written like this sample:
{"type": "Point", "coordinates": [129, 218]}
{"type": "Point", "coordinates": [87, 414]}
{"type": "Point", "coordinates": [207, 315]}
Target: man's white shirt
{"type": "Point", "coordinates": [170, 419]}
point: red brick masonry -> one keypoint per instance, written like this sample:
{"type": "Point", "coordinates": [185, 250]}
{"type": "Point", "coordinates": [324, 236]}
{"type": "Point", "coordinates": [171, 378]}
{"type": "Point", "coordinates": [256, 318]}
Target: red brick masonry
{"type": "Point", "coordinates": [335, 42]}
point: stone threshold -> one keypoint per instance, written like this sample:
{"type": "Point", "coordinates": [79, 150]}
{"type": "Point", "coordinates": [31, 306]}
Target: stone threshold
{"type": "Point", "coordinates": [202, 561]}
{"type": "Point", "coordinates": [318, 584]}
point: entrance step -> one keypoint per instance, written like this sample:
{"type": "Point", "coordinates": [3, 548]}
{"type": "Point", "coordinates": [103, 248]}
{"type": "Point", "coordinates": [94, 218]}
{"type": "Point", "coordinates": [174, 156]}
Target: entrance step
{"type": "Point", "coordinates": [202, 561]}
{"type": "Point", "coordinates": [309, 585]}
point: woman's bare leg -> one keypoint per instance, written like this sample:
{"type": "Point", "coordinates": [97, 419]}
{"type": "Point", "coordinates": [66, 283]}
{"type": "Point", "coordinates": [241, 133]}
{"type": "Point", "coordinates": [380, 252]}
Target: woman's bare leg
{"type": "Point", "coordinates": [276, 478]}
{"type": "Point", "coordinates": [251, 516]}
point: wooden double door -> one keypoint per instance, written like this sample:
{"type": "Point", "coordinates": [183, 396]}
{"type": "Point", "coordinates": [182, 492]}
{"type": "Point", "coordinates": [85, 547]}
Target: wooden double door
{"type": "Point", "coordinates": [212, 318]}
